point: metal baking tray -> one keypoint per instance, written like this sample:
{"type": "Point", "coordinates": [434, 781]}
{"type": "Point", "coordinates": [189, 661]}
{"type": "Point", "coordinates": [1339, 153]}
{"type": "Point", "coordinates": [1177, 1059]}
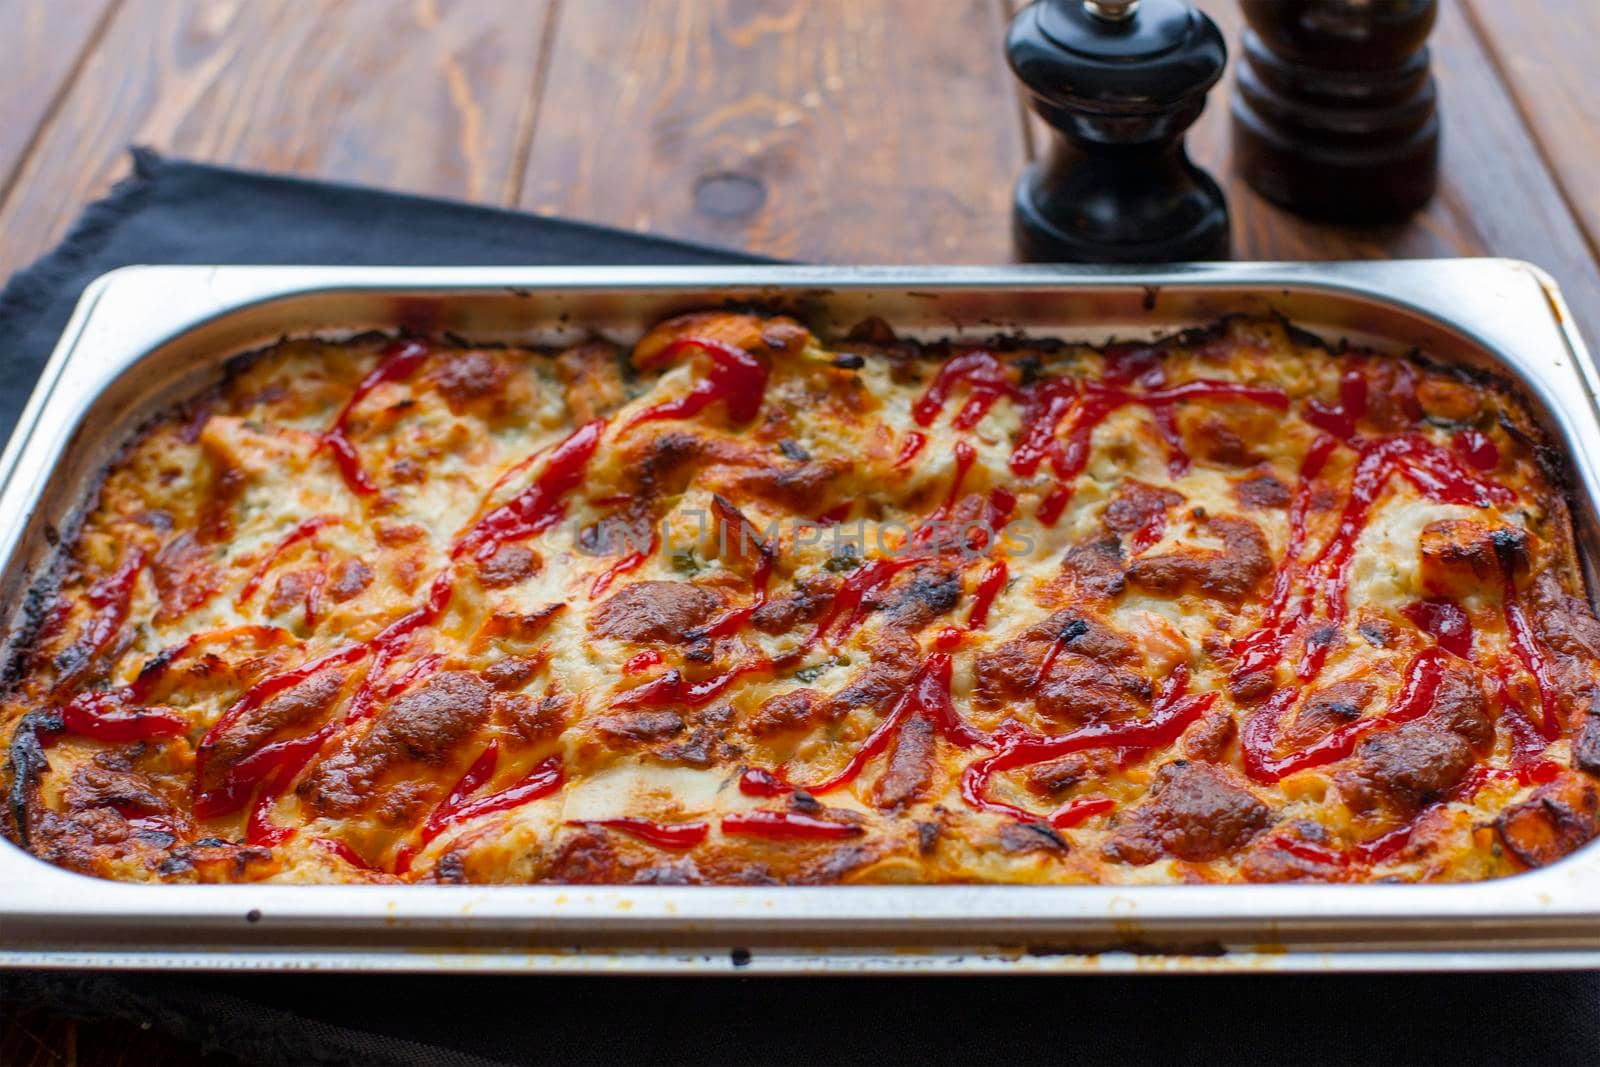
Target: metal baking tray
{"type": "Point", "coordinates": [144, 337]}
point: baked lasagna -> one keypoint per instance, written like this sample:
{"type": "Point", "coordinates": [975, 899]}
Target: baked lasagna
{"type": "Point", "coordinates": [741, 605]}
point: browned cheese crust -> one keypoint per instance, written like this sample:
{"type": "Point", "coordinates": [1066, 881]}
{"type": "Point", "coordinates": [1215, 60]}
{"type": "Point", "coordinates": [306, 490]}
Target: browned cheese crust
{"type": "Point", "coordinates": [744, 606]}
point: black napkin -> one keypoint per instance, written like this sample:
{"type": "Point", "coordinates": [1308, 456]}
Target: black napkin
{"type": "Point", "coordinates": [174, 211]}
{"type": "Point", "coordinates": [171, 211]}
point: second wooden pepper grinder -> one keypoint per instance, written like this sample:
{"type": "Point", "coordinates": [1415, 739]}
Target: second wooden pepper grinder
{"type": "Point", "coordinates": [1334, 114]}
{"type": "Point", "coordinates": [1119, 81]}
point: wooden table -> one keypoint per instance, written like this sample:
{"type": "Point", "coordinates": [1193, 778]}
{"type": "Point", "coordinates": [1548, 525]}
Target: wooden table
{"type": "Point", "coordinates": [874, 131]}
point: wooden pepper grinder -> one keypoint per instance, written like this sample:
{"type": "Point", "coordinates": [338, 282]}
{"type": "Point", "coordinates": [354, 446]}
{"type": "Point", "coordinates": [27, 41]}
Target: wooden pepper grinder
{"type": "Point", "coordinates": [1119, 81]}
{"type": "Point", "coordinates": [1335, 112]}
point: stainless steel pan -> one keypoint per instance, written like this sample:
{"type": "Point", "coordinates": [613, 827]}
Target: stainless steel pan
{"type": "Point", "coordinates": [144, 337]}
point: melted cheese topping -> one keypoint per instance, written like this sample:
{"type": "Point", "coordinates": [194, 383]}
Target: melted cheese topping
{"type": "Point", "coordinates": [743, 606]}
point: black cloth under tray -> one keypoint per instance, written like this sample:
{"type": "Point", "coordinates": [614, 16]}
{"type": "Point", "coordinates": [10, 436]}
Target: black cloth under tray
{"type": "Point", "coordinates": [172, 211]}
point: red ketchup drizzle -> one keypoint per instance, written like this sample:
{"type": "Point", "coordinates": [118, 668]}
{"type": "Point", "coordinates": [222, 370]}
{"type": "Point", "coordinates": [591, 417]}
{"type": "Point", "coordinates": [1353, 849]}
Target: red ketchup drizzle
{"type": "Point", "coordinates": [1528, 741]}
{"type": "Point", "coordinates": [106, 716]}
{"type": "Point", "coordinates": [114, 714]}
{"type": "Point", "coordinates": [849, 600]}
{"type": "Point", "coordinates": [1002, 502]}
{"type": "Point", "coordinates": [1364, 854]}
{"type": "Point", "coordinates": [1532, 657]}
{"type": "Point", "coordinates": [394, 639]}
{"type": "Point", "coordinates": [343, 851]}
{"type": "Point", "coordinates": [785, 824]}
{"type": "Point", "coordinates": [1045, 403]}
{"type": "Point", "coordinates": [1405, 391]}
{"type": "Point", "coordinates": [1381, 848]}
{"type": "Point", "coordinates": [1440, 477]}
{"type": "Point", "coordinates": [409, 677]}
{"type": "Point", "coordinates": [1170, 715]}
{"type": "Point", "coordinates": [1079, 810]}
{"type": "Point", "coordinates": [1057, 643]}
{"type": "Point", "coordinates": [313, 598]}
{"type": "Point", "coordinates": [1260, 733]}
{"type": "Point", "coordinates": [1049, 402]}
{"type": "Point", "coordinates": [458, 807]}
{"type": "Point", "coordinates": [990, 582]}
{"type": "Point", "coordinates": [674, 835]}
{"type": "Point", "coordinates": [926, 530]}
{"type": "Point", "coordinates": [757, 782]}
{"type": "Point", "coordinates": [282, 760]}
{"type": "Point", "coordinates": [277, 764]}
{"type": "Point", "coordinates": [539, 506]}
{"type": "Point", "coordinates": [1128, 363]}
{"type": "Point", "coordinates": [732, 523]}
{"type": "Point", "coordinates": [1436, 473]}
{"type": "Point", "coordinates": [908, 451]}
{"type": "Point", "coordinates": [643, 661]}
{"type": "Point", "coordinates": [1340, 419]}
{"type": "Point", "coordinates": [471, 780]}
{"type": "Point", "coordinates": [398, 360]}
{"type": "Point", "coordinates": [986, 382]}
{"type": "Point", "coordinates": [1166, 420]}
{"type": "Point", "coordinates": [1528, 744]}
{"type": "Point", "coordinates": [110, 597]}
{"type": "Point", "coordinates": [670, 688]}
{"type": "Point", "coordinates": [927, 696]}
{"type": "Point", "coordinates": [736, 378]}
{"type": "Point", "coordinates": [731, 620]}
{"type": "Point", "coordinates": [1148, 533]}
{"type": "Point", "coordinates": [1477, 449]}
{"type": "Point", "coordinates": [253, 768]}
{"type": "Point", "coordinates": [1309, 851]}
{"type": "Point", "coordinates": [301, 532]}
{"type": "Point", "coordinates": [857, 588]}
{"type": "Point", "coordinates": [1264, 647]}
{"type": "Point", "coordinates": [627, 563]}
{"type": "Point", "coordinates": [259, 829]}
{"type": "Point", "coordinates": [1446, 621]}
{"type": "Point", "coordinates": [1053, 504]}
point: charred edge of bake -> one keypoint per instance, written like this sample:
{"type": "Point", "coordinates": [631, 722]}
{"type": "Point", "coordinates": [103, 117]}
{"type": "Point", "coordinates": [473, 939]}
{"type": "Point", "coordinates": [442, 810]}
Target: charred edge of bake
{"type": "Point", "coordinates": [1563, 820]}
{"type": "Point", "coordinates": [37, 603]}
{"type": "Point", "coordinates": [1191, 336]}
{"type": "Point", "coordinates": [1586, 739]}
{"type": "Point", "coordinates": [872, 330]}
{"type": "Point", "coordinates": [158, 663]}
{"type": "Point", "coordinates": [456, 340]}
{"type": "Point", "coordinates": [1048, 836]}
{"type": "Point", "coordinates": [37, 599]}
{"type": "Point", "coordinates": [1071, 631]}
{"type": "Point", "coordinates": [1510, 550]}
{"type": "Point", "coordinates": [28, 764]}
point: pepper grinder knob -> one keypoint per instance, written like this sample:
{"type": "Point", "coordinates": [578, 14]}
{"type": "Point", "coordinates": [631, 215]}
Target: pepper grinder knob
{"type": "Point", "coordinates": [1118, 81]}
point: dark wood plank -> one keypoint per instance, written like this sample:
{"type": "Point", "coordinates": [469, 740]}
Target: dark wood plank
{"type": "Point", "coordinates": [1547, 57]}
{"type": "Point", "coordinates": [45, 41]}
{"type": "Point", "coordinates": [813, 129]}
{"type": "Point", "coordinates": [36, 1039]}
{"type": "Point", "coordinates": [427, 96]}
